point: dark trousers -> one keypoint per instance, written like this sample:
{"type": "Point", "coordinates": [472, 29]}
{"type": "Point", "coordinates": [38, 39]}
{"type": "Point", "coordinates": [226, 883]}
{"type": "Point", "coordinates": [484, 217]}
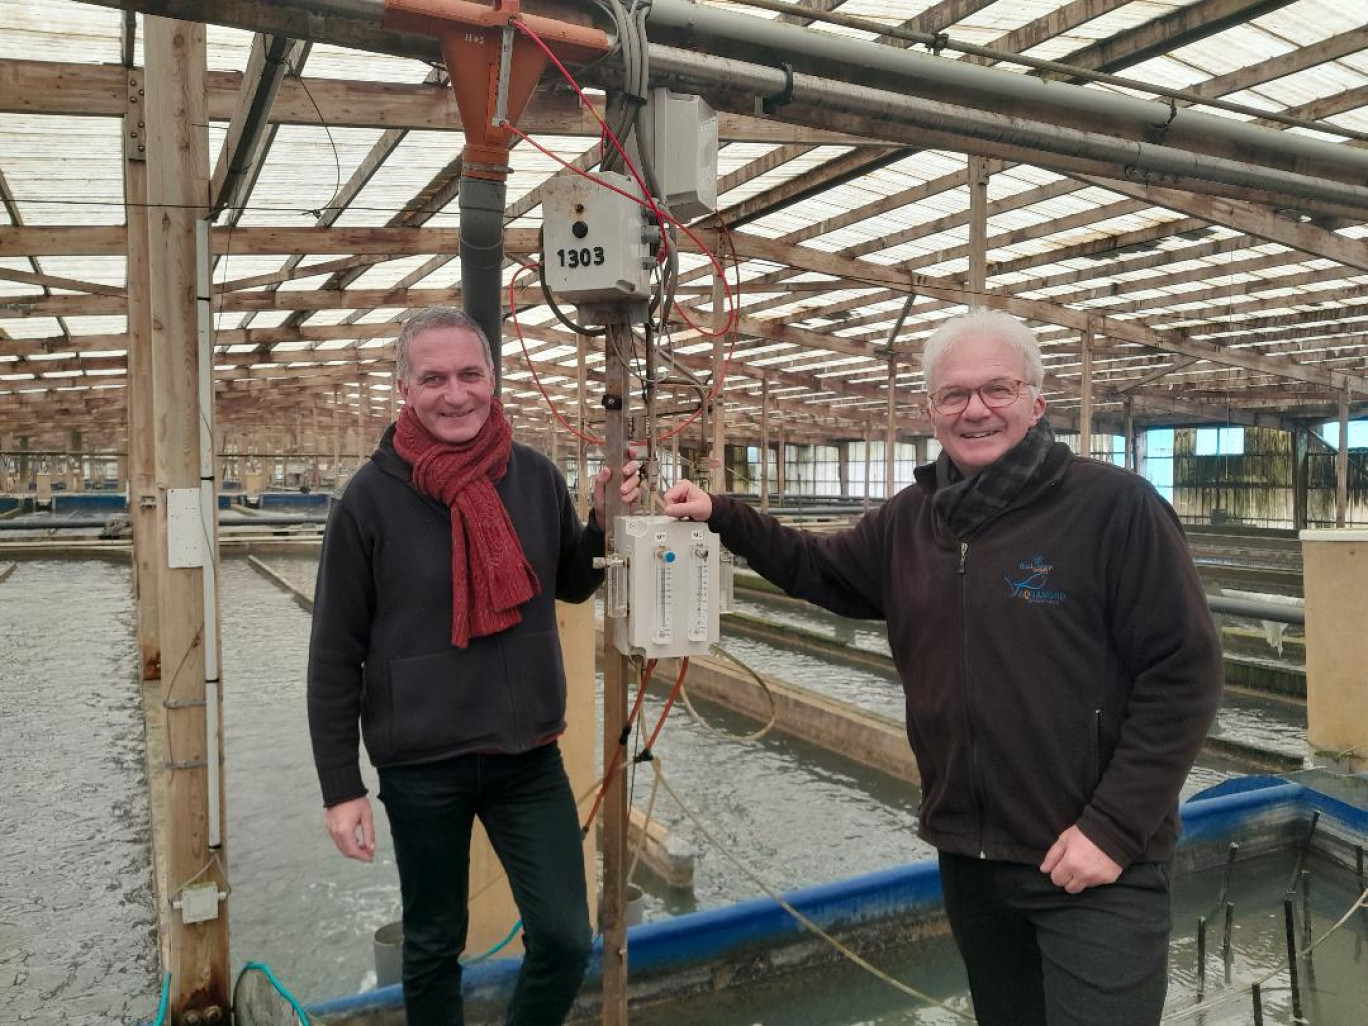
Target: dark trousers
{"type": "Point", "coordinates": [1038, 955]}
{"type": "Point", "coordinates": [528, 810]}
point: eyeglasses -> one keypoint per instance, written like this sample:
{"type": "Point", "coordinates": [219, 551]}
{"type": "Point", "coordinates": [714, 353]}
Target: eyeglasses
{"type": "Point", "coordinates": [993, 394]}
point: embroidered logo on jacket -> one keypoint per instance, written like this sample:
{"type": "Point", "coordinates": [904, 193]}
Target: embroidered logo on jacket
{"type": "Point", "coordinates": [1029, 583]}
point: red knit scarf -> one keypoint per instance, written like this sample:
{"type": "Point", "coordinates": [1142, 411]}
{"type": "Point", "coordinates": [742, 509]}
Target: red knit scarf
{"type": "Point", "coordinates": [490, 575]}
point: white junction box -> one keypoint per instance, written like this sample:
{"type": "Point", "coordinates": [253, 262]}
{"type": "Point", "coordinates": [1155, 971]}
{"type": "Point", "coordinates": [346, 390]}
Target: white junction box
{"type": "Point", "coordinates": [596, 244]}
{"type": "Point", "coordinates": [672, 582]}
{"type": "Point", "coordinates": [685, 152]}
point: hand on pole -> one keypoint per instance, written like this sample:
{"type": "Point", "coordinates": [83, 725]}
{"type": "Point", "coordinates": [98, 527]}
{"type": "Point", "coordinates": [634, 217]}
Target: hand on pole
{"type": "Point", "coordinates": [629, 489]}
{"type": "Point", "coordinates": [686, 500]}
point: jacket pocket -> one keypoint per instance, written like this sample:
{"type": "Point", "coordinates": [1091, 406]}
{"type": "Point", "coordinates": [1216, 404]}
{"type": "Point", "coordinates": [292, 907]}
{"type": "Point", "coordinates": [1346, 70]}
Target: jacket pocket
{"type": "Point", "coordinates": [446, 700]}
{"type": "Point", "coordinates": [537, 678]}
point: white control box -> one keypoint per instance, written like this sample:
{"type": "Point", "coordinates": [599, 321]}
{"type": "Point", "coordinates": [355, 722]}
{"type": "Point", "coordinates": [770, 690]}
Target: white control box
{"type": "Point", "coordinates": [685, 157]}
{"type": "Point", "coordinates": [673, 574]}
{"type": "Point", "coordinates": [596, 244]}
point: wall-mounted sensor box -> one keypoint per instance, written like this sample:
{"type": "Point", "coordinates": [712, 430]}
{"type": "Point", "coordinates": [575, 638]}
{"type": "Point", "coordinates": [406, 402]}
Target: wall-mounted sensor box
{"type": "Point", "coordinates": [596, 244]}
{"type": "Point", "coordinates": [673, 577]}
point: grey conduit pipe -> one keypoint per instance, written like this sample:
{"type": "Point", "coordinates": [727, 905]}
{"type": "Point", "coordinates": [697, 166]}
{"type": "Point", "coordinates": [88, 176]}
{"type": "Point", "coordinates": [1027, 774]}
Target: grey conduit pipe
{"type": "Point", "coordinates": [482, 250]}
{"type": "Point", "coordinates": [1096, 118]}
{"type": "Point", "coordinates": [721, 33]}
{"type": "Point", "coordinates": [683, 69]}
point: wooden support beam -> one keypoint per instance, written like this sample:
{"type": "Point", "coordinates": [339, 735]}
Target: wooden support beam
{"type": "Point", "coordinates": [750, 245]}
{"type": "Point", "coordinates": [82, 90]}
{"type": "Point", "coordinates": [1246, 217]}
{"type": "Point", "coordinates": [142, 428]}
{"type": "Point", "coordinates": [717, 448]}
{"type": "Point", "coordinates": [978, 224]}
{"type": "Point", "coordinates": [248, 127]}
{"type": "Point", "coordinates": [257, 241]}
{"type": "Point", "coordinates": [177, 185]}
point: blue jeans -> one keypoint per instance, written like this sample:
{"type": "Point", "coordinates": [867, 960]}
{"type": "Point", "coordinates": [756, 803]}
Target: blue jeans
{"type": "Point", "coordinates": [1038, 955]}
{"type": "Point", "coordinates": [528, 810]}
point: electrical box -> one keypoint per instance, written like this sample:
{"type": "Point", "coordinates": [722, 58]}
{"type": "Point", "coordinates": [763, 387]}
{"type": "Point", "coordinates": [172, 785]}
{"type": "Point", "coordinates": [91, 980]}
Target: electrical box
{"type": "Point", "coordinates": [672, 578]}
{"type": "Point", "coordinates": [199, 903]}
{"type": "Point", "coordinates": [685, 157]}
{"type": "Point", "coordinates": [597, 246]}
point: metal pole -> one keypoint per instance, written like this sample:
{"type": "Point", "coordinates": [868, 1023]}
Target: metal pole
{"type": "Point", "coordinates": [764, 439]}
{"type": "Point", "coordinates": [582, 498]}
{"type": "Point", "coordinates": [1086, 393]}
{"type": "Point", "coordinates": [613, 905]}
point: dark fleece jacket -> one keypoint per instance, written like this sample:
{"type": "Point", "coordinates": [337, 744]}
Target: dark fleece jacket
{"type": "Point", "coordinates": [381, 655]}
{"type": "Point", "coordinates": [1060, 666]}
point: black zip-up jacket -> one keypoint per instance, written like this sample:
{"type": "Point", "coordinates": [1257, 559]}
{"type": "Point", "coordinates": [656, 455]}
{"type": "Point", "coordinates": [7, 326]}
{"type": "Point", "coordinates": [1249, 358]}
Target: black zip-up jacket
{"type": "Point", "coordinates": [1060, 666]}
{"type": "Point", "coordinates": [381, 655]}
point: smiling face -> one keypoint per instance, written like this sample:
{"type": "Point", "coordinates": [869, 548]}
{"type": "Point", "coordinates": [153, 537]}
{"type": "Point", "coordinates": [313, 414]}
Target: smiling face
{"type": "Point", "coordinates": [449, 383]}
{"type": "Point", "coordinates": [978, 436]}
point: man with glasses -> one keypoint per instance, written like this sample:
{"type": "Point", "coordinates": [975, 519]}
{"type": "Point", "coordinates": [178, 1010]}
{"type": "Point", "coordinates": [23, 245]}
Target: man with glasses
{"type": "Point", "coordinates": [1060, 670]}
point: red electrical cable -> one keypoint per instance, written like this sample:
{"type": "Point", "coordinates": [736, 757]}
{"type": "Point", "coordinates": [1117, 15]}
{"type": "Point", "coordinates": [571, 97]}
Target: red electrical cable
{"type": "Point", "coordinates": [646, 673]}
{"type": "Point", "coordinates": [669, 704]}
{"type": "Point", "coordinates": [661, 217]}
{"type": "Point", "coordinates": [536, 378]}
{"type": "Point", "coordinates": [648, 202]}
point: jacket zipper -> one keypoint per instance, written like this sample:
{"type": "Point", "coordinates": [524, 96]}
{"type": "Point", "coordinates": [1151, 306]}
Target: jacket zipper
{"type": "Point", "coordinates": [968, 711]}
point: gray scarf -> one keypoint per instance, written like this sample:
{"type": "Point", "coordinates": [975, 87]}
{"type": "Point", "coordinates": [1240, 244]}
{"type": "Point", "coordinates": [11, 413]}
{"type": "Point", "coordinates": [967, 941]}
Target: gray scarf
{"type": "Point", "coordinates": [966, 503]}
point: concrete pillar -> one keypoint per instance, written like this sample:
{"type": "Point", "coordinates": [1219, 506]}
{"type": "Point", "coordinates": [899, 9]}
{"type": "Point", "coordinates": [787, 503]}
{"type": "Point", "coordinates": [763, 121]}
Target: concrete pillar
{"type": "Point", "coordinates": [1335, 573]}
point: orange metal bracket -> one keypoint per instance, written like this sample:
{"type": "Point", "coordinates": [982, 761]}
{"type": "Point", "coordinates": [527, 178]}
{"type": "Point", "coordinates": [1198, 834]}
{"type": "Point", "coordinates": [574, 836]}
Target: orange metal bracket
{"type": "Point", "coordinates": [471, 38]}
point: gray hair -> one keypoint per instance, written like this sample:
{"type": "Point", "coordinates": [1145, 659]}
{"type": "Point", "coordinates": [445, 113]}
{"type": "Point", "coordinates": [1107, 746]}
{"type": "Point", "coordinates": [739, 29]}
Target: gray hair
{"type": "Point", "coordinates": [429, 319]}
{"type": "Point", "coordinates": [980, 322]}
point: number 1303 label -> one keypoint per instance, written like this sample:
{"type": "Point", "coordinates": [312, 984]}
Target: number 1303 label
{"type": "Point", "coordinates": [582, 257]}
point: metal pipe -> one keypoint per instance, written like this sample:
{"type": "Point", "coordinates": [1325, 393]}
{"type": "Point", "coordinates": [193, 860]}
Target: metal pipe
{"type": "Point", "coordinates": [1135, 159]}
{"type": "Point", "coordinates": [482, 211]}
{"type": "Point", "coordinates": [208, 515]}
{"type": "Point", "coordinates": [1291, 932]}
{"type": "Point", "coordinates": [359, 24]}
{"type": "Point", "coordinates": [938, 41]}
{"type": "Point", "coordinates": [723, 33]}
{"type": "Point", "coordinates": [1256, 610]}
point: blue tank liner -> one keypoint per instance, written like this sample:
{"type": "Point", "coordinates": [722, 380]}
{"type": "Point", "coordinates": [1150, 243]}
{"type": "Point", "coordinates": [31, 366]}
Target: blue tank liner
{"type": "Point", "coordinates": [912, 891]}
{"type": "Point", "coordinates": [300, 499]}
{"type": "Point", "coordinates": [63, 501]}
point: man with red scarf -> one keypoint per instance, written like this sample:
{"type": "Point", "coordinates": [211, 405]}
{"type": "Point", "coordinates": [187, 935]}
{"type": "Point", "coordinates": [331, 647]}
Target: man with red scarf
{"type": "Point", "coordinates": [434, 640]}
